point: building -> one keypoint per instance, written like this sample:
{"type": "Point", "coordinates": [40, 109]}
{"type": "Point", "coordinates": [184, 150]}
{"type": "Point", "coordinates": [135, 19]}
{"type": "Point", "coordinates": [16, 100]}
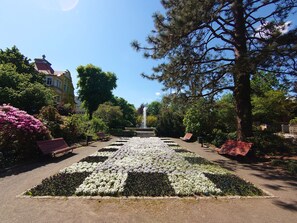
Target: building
{"type": "Point", "coordinates": [78, 106]}
{"type": "Point", "coordinates": [59, 81]}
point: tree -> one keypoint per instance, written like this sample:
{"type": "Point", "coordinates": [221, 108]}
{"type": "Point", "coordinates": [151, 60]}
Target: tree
{"type": "Point", "coordinates": [95, 87]}
{"type": "Point", "coordinates": [110, 114]}
{"type": "Point", "coordinates": [273, 108]}
{"type": "Point", "coordinates": [154, 108]}
{"type": "Point", "coordinates": [22, 64]}
{"type": "Point", "coordinates": [210, 46]}
{"type": "Point", "coordinates": [200, 118]}
{"type": "Point", "coordinates": [19, 90]}
{"type": "Point", "coordinates": [128, 110]}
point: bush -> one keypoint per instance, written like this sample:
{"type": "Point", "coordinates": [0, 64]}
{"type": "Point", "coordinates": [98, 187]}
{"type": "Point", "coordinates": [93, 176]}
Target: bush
{"type": "Point", "coordinates": [293, 121]}
{"type": "Point", "coordinates": [19, 132]}
{"type": "Point", "coordinates": [200, 119]}
{"type": "Point", "coordinates": [170, 124]}
{"type": "Point", "coordinates": [151, 121]}
{"type": "Point", "coordinates": [98, 125]}
{"type": "Point", "coordinates": [122, 133]}
{"type": "Point", "coordinates": [268, 143]}
{"type": "Point", "coordinates": [52, 119]}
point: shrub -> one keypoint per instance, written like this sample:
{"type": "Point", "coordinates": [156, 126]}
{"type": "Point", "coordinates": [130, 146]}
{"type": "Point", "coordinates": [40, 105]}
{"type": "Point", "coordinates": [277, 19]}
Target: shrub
{"type": "Point", "coordinates": [75, 128]}
{"type": "Point", "coordinates": [52, 119]}
{"type": "Point", "coordinates": [170, 124]}
{"type": "Point", "coordinates": [98, 125]}
{"type": "Point", "coordinates": [19, 132]}
{"type": "Point", "coordinates": [267, 143]}
{"type": "Point", "coordinates": [151, 121]}
{"type": "Point", "coordinates": [293, 121]}
{"type": "Point", "coordinates": [200, 119]}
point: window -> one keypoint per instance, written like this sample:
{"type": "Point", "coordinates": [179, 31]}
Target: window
{"type": "Point", "coordinates": [65, 87]}
{"type": "Point", "coordinates": [49, 81]}
{"type": "Point", "coordinates": [58, 84]}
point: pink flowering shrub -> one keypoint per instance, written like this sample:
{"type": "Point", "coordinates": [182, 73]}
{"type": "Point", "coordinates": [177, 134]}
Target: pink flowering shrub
{"type": "Point", "coordinates": [19, 132]}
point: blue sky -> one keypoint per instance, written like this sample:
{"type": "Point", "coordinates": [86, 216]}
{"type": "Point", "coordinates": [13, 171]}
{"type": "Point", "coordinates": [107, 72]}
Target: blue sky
{"type": "Point", "coordinates": [78, 32]}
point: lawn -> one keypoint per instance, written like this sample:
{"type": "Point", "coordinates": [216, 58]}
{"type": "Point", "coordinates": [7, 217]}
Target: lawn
{"type": "Point", "coordinates": [150, 167]}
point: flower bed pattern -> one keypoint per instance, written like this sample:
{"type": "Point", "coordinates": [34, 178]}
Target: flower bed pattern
{"type": "Point", "coordinates": [147, 167]}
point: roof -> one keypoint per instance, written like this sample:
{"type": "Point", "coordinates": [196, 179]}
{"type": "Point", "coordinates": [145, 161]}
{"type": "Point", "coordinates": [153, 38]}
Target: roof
{"type": "Point", "coordinates": [43, 66]}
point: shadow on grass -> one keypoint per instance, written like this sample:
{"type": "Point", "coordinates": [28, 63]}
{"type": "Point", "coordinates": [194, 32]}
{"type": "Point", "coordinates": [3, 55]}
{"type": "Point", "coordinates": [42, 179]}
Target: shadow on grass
{"type": "Point", "coordinates": [31, 165]}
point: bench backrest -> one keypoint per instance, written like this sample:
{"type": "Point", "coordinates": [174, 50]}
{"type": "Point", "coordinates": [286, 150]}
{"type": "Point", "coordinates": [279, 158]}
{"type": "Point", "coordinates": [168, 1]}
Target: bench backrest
{"type": "Point", "coordinates": [234, 148]}
{"type": "Point", "coordinates": [49, 146]}
{"type": "Point", "coordinates": [188, 136]}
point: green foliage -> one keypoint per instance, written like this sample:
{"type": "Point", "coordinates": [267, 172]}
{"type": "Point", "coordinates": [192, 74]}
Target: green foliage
{"type": "Point", "coordinates": [95, 86]}
{"type": "Point", "coordinates": [218, 137]}
{"type": "Point", "coordinates": [65, 109]}
{"type": "Point", "coordinates": [206, 47]}
{"type": "Point", "coordinates": [272, 108]}
{"type": "Point", "coordinates": [293, 121]}
{"type": "Point", "coordinates": [122, 133]}
{"type": "Point", "coordinates": [151, 121]}
{"type": "Point", "coordinates": [233, 185]}
{"type": "Point", "coordinates": [98, 125]}
{"type": "Point", "coordinates": [225, 113]}
{"type": "Point", "coordinates": [148, 184]}
{"type": "Point", "coordinates": [154, 108]}
{"type": "Point", "coordinates": [265, 143]}
{"type": "Point", "coordinates": [19, 90]}
{"type": "Point", "coordinates": [128, 110]}
{"type": "Point", "coordinates": [288, 165]}
{"type": "Point", "coordinates": [263, 82]}
{"type": "Point", "coordinates": [200, 118]}
{"type": "Point", "coordinates": [110, 114]}
{"type": "Point", "coordinates": [52, 119]}
{"type": "Point", "coordinates": [21, 63]}
{"type": "Point", "coordinates": [75, 128]}
{"type": "Point", "coordinates": [61, 184]}
{"type": "Point", "coordinates": [170, 124]}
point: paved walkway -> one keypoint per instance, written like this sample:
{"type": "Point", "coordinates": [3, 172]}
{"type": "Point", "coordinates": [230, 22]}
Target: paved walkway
{"type": "Point", "coordinates": [283, 208]}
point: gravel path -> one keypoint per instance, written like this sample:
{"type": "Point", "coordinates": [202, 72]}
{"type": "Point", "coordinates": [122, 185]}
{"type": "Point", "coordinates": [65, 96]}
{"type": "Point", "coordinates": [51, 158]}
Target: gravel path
{"type": "Point", "coordinates": [283, 208]}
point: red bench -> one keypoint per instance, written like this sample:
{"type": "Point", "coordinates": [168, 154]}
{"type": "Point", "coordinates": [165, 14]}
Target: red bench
{"type": "Point", "coordinates": [187, 137]}
{"type": "Point", "coordinates": [234, 148]}
{"type": "Point", "coordinates": [54, 146]}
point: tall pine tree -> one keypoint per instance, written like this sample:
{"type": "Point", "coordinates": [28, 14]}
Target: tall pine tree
{"type": "Point", "coordinates": [208, 46]}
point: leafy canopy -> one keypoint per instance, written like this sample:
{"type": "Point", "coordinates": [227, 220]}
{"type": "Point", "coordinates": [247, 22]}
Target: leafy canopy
{"type": "Point", "coordinates": [95, 86]}
{"type": "Point", "coordinates": [208, 46]}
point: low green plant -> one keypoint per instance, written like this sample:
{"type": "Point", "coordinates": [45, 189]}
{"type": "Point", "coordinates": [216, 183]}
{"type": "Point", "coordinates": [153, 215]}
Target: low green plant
{"type": "Point", "coordinates": [288, 165]}
{"type": "Point", "coordinates": [267, 143]}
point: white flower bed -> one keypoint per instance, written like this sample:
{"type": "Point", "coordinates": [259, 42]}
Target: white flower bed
{"type": "Point", "coordinates": [102, 183]}
{"type": "Point", "coordinates": [171, 170]}
{"type": "Point", "coordinates": [105, 153]}
{"type": "Point", "coordinates": [80, 167]}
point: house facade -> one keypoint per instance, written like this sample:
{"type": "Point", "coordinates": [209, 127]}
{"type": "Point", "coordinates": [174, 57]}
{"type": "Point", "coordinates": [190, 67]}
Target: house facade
{"type": "Point", "coordinates": [59, 81]}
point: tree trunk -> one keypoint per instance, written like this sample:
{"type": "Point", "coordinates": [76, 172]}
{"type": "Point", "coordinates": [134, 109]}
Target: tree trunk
{"type": "Point", "coordinates": [241, 74]}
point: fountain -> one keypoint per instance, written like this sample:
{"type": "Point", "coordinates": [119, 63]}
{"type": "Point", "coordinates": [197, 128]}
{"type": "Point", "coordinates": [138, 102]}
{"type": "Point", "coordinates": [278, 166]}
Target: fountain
{"type": "Point", "coordinates": [143, 131]}
{"type": "Point", "coordinates": [144, 118]}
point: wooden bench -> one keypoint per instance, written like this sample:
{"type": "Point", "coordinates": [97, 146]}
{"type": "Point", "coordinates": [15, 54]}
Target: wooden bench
{"type": "Point", "coordinates": [234, 148]}
{"type": "Point", "coordinates": [187, 137]}
{"type": "Point", "coordinates": [54, 146]}
{"type": "Point", "coordinates": [102, 136]}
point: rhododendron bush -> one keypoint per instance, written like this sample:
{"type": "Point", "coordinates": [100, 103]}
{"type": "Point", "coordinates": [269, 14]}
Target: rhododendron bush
{"type": "Point", "coordinates": [19, 132]}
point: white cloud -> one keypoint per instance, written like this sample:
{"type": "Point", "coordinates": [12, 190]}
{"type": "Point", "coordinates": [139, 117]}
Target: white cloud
{"type": "Point", "coordinates": [59, 5]}
{"type": "Point", "coordinates": [158, 94]}
{"type": "Point", "coordinates": [264, 32]}
{"type": "Point", "coordinates": [67, 5]}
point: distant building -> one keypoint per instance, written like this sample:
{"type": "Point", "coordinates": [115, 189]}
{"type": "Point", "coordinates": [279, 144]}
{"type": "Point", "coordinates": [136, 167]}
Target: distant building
{"type": "Point", "coordinates": [78, 106]}
{"type": "Point", "coordinates": [59, 81]}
